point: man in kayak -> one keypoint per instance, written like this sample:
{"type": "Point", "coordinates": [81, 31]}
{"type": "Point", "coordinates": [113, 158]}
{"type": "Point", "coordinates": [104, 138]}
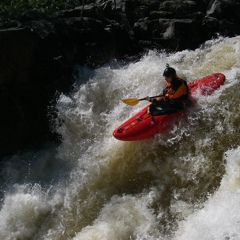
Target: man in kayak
{"type": "Point", "coordinates": [175, 96]}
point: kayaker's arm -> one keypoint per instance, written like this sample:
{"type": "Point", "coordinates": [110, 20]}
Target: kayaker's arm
{"type": "Point", "coordinates": [155, 98]}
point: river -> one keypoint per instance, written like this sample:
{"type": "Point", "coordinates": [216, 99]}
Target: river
{"type": "Point", "coordinates": [180, 185]}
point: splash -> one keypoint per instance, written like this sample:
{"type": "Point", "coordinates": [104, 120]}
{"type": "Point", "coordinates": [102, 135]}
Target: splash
{"type": "Point", "coordinates": [183, 184]}
{"type": "Point", "coordinates": [220, 216]}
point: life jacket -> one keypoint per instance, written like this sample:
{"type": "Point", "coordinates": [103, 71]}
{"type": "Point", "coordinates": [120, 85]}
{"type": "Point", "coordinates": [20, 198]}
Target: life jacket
{"type": "Point", "coordinates": [180, 92]}
{"type": "Point", "coordinates": [176, 90]}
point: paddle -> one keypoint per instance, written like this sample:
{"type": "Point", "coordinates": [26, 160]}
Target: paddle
{"type": "Point", "coordinates": [132, 101]}
{"type": "Point", "coordinates": [135, 101]}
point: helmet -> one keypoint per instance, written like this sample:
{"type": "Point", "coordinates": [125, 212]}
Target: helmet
{"type": "Point", "coordinates": [169, 72]}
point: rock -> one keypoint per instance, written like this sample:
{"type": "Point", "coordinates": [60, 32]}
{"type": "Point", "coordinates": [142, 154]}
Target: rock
{"type": "Point", "coordinates": [222, 17]}
{"type": "Point", "coordinates": [29, 77]}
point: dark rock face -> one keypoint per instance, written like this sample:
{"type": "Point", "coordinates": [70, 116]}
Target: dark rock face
{"type": "Point", "coordinates": [38, 52]}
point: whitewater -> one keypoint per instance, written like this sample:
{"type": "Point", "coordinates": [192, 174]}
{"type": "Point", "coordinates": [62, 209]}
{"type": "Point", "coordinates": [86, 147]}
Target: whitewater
{"type": "Point", "coordinates": [180, 185]}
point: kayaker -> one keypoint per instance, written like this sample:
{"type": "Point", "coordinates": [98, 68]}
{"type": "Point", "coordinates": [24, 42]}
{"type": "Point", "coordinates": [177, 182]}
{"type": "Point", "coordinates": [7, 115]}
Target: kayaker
{"type": "Point", "coordinates": [175, 96]}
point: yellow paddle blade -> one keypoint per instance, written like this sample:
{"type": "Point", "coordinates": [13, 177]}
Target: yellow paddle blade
{"type": "Point", "coordinates": [131, 101]}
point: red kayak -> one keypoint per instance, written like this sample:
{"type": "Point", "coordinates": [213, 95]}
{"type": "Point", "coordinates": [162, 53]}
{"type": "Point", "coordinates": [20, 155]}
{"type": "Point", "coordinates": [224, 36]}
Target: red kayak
{"type": "Point", "coordinates": [140, 126]}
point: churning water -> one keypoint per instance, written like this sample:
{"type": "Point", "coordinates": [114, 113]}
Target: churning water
{"type": "Point", "coordinates": [183, 184]}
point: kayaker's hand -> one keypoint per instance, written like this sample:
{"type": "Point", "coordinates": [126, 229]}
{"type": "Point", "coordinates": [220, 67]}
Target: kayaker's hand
{"type": "Point", "coordinates": [148, 98]}
{"type": "Point", "coordinates": [160, 99]}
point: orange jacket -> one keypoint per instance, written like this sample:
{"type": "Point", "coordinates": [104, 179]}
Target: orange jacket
{"type": "Point", "coordinates": [177, 90]}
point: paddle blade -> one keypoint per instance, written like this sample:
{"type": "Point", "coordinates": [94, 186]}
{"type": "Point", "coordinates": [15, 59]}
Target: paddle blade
{"type": "Point", "coordinates": [131, 101]}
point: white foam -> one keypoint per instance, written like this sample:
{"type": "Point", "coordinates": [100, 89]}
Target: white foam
{"type": "Point", "coordinates": [22, 214]}
{"type": "Point", "coordinates": [220, 216]}
{"type": "Point", "coordinates": [123, 218]}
